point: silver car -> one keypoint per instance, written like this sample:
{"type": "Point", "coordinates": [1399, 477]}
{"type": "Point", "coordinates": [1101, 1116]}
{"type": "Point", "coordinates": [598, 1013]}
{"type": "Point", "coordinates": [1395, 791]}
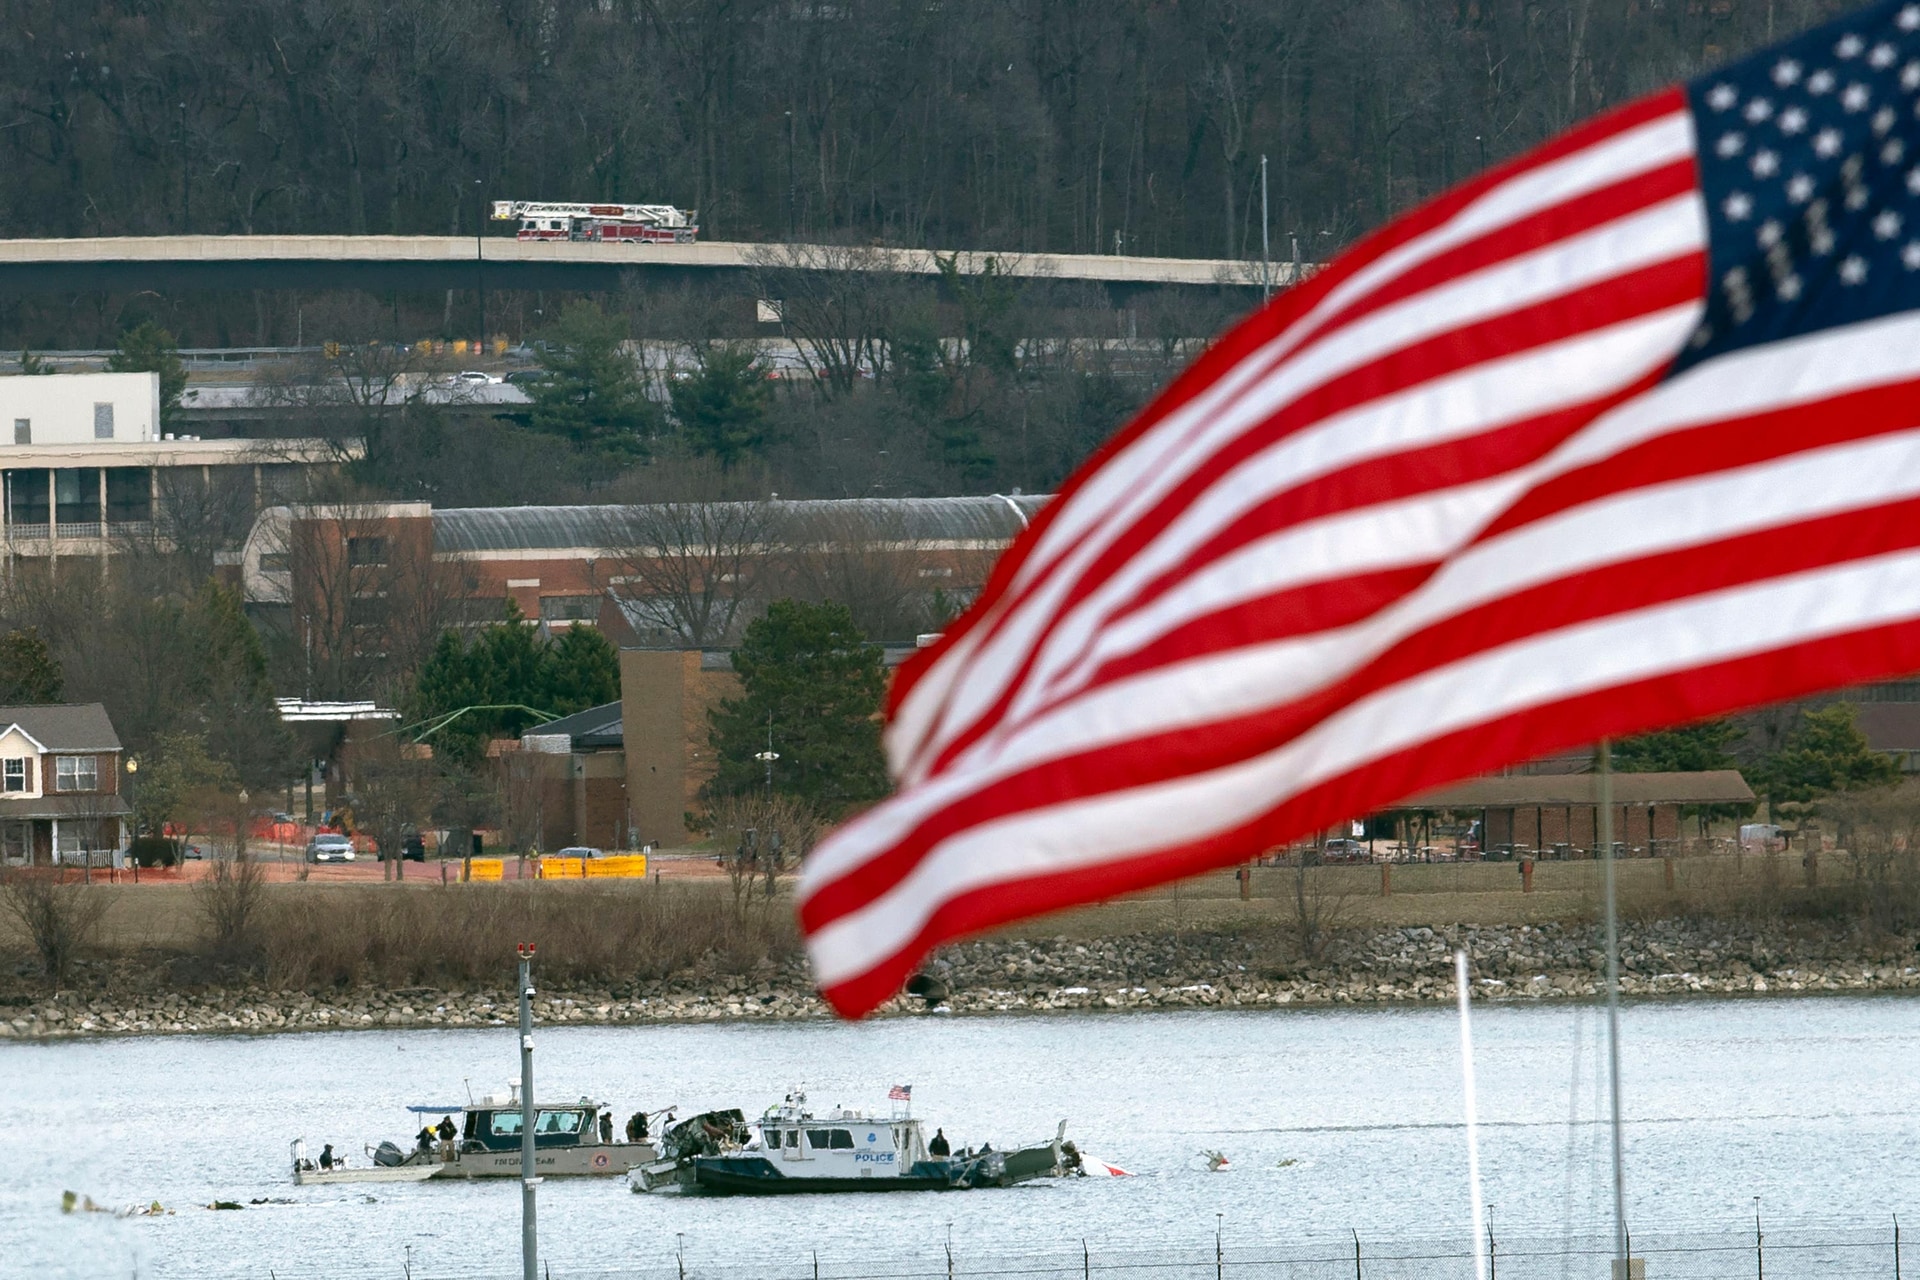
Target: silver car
{"type": "Point", "coordinates": [330, 848]}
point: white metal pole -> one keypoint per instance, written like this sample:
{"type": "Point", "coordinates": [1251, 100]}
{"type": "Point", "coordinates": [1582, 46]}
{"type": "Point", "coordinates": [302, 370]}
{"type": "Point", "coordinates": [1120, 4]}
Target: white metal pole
{"type": "Point", "coordinates": [1266, 258]}
{"type": "Point", "coordinates": [1605, 798]}
{"type": "Point", "coordinates": [529, 1236]}
{"type": "Point", "coordinates": [1473, 1112]}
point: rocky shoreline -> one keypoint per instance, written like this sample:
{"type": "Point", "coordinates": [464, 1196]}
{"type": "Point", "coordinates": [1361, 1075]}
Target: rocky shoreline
{"type": "Point", "coordinates": [1157, 971]}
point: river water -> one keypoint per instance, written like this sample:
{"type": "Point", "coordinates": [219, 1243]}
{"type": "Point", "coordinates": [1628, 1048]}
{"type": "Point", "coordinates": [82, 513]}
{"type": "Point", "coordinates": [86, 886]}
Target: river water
{"type": "Point", "coordinates": [1333, 1121]}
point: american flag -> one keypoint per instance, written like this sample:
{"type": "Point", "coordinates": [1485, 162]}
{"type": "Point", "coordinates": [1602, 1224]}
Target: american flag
{"type": "Point", "coordinates": [1617, 435]}
{"type": "Point", "coordinates": [901, 1093]}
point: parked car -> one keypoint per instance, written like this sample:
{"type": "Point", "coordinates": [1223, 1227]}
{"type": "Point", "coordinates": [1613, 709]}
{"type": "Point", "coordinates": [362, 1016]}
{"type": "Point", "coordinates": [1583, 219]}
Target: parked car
{"type": "Point", "coordinates": [475, 378]}
{"type": "Point", "coordinates": [330, 847]}
{"type": "Point", "coordinates": [525, 377]}
{"type": "Point", "coordinates": [413, 848]}
{"type": "Point", "coordinates": [578, 851]}
{"type": "Point", "coordinates": [1344, 850]}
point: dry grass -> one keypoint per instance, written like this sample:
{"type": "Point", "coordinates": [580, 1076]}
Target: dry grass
{"type": "Point", "coordinates": [313, 936]}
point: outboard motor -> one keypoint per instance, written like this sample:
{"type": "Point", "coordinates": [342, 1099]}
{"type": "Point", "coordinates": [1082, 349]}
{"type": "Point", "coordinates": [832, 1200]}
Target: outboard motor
{"type": "Point", "coordinates": [389, 1155]}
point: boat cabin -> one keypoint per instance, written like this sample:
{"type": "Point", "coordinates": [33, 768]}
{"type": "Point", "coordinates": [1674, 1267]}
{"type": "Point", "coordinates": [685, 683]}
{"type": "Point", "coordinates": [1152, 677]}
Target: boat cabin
{"type": "Point", "coordinates": [494, 1124]}
{"type": "Point", "coordinates": [840, 1144]}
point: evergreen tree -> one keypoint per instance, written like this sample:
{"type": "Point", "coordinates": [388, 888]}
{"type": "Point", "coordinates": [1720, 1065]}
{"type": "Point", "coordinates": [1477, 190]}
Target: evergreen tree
{"type": "Point", "coordinates": [1825, 753]}
{"type": "Point", "coordinates": [29, 673]}
{"type": "Point", "coordinates": [809, 679]}
{"type": "Point", "coordinates": [592, 394]}
{"type": "Point", "coordinates": [722, 404]}
{"type": "Point", "coordinates": [147, 348]}
{"type": "Point", "coordinates": [232, 693]}
{"type": "Point", "coordinates": [582, 670]}
{"type": "Point", "coordinates": [1689, 748]}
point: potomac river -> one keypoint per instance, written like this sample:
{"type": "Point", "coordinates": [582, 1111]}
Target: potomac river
{"type": "Point", "coordinates": [1334, 1121]}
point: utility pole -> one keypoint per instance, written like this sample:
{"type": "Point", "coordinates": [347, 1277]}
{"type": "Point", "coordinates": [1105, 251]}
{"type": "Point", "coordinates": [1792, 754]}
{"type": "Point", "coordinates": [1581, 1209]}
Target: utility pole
{"type": "Point", "coordinates": [529, 1237]}
{"type": "Point", "coordinates": [479, 253]}
{"type": "Point", "coordinates": [768, 757]}
{"type": "Point", "coordinates": [1266, 258]}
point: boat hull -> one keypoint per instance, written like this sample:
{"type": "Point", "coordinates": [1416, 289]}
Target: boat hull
{"type": "Point", "coordinates": [602, 1161]}
{"type": "Point", "coordinates": [363, 1173]}
{"type": "Point", "coordinates": [740, 1177]}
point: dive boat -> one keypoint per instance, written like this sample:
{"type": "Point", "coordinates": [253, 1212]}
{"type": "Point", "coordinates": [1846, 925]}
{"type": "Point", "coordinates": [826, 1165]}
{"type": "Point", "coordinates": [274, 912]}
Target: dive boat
{"type": "Point", "coordinates": [568, 1142]}
{"type": "Point", "coordinates": [790, 1150]}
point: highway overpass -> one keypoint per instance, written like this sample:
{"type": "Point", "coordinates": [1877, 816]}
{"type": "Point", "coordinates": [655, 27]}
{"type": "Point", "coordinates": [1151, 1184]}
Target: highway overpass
{"type": "Point", "coordinates": [180, 263]}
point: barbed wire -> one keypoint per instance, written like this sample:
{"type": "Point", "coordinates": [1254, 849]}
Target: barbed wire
{"type": "Point", "coordinates": [1782, 1251]}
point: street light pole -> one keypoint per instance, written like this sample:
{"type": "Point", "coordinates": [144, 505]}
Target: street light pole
{"type": "Point", "coordinates": [768, 757]}
{"type": "Point", "coordinates": [1266, 258]}
{"type": "Point", "coordinates": [529, 1237]}
{"type": "Point", "coordinates": [479, 254]}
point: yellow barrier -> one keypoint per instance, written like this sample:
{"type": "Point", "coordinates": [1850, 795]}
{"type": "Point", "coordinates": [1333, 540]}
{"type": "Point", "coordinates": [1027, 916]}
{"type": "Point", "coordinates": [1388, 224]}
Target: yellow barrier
{"type": "Point", "coordinates": [486, 869]}
{"type": "Point", "coordinates": [625, 866]}
{"type": "Point", "coordinates": [562, 868]}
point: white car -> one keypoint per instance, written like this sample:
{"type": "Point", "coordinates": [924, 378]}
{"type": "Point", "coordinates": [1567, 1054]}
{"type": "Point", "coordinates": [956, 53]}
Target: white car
{"type": "Point", "coordinates": [330, 848]}
{"type": "Point", "coordinates": [475, 378]}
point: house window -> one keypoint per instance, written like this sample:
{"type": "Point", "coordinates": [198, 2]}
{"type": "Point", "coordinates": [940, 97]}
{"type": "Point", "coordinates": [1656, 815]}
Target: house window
{"type": "Point", "coordinates": [103, 422]}
{"type": "Point", "coordinates": [366, 551]}
{"type": "Point", "coordinates": [13, 775]}
{"type": "Point", "coordinates": [76, 773]}
{"type": "Point", "coordinates": [23, 430]}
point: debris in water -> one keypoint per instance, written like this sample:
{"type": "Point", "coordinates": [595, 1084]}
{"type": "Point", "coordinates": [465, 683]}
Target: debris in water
{"type": "Point", "coordinates": [1216, 1160]}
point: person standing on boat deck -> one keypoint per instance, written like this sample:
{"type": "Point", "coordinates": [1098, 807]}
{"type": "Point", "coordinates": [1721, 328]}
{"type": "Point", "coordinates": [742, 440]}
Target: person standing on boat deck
{"type": "Point", "coordinates": [637, 1127]}
{"type": "Point", "coordinates": [326, 1156]}
{"type": "Point", "coordinates": [606, 1126]}
{"type": "Point", "coordinates": [446, 1131]}
{"type": "Point", "coordinates": [425, 1139]}
{"type": "Point", "coordinates": [939, 1148]}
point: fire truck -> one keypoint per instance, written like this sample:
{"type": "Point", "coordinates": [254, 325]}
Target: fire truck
{"type": "Point", "coordinates": [644, 223]}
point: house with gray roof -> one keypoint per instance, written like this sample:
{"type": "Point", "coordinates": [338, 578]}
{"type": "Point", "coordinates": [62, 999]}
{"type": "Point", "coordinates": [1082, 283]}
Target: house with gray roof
{"type": "Point", "coordinates": [60, 800]}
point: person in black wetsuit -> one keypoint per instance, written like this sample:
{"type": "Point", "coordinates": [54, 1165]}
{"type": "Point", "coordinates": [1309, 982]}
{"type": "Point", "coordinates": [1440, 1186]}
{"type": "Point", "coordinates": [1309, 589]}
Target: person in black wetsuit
{"type": "Point", "coordinates": [939, 1148]}
{"type": "Point", "coordinates": [326, 1156]}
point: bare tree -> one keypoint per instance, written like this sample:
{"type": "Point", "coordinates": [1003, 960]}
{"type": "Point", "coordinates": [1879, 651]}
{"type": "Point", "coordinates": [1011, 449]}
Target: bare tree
{"type": "Point", "coordinates": [837, 302]}
{"type": "Point", "coordinates": [864, 555]}
{"type": "Point", "coordinates": [688, 571]}
{"type": "Point", "coordinates": [60, 919]}
{"type": "Point", "coordinates": [761, 836]}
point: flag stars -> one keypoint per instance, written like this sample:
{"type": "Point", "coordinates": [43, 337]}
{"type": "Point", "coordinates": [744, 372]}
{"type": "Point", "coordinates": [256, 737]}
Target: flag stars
{"type": "Point", "coordinates": [1820, 82]}
{"type": "Point", "coordinates": [1737, 206]}
{"type": "Point", "coordinates": [1909, 19]}
{"type": "Point", "coordinates": [1886, 224]}
{"type": "Point", "coordinates": [1769, 233]}
{"type": "Point", "coordinates": [1765, 164]}
{"type": "Point", "coordinates": [1800, 186]}
{"type": "Point", "coordinates": [1786, 73]}
{"type": "Point", "coordinates": [1856, 198]}
{"type": "Point", "coordinates": [1853, 270]}
{"type": "Point", "coordinates": [1893, 152]}
{"type": "Point", "coordinates": [1821, 242]}
{"type": "Point", "coordinates": [1758, 111]}
{"type": "Point", "coordinates": [1855, 97]}
{"type": "Point", "coordinates": [1826, 143]}
{"type": "Point", "coordinates": [1910, 255]}
{"type": "Point", "coordinates": [1849, 47]}
{"type": "Point", "coordinates": [1913, 182]}
{"type": "Point", "coordinates": [1883, 120]}
{"type": "Point", "coordinates": [1788, 289]}
{"type": "Point", "coordinates": [1793, 121]}
{"type": "Point", "coordinates": [1730, 145]}
{"type": "Point", "coordinates": [1722, 97]}
{"type": "Point", "coordinates": [1910, 76]}
{"type": "Point", "coordinates": [1882, 57]}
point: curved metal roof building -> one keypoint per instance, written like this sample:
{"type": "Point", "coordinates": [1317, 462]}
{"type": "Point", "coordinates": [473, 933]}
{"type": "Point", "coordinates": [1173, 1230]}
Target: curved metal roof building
{"type": "Point", "coordinates": [973, 521]}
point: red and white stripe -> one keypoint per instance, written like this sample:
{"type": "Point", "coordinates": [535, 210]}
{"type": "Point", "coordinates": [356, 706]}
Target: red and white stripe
{"type": "Point", "coordinates": [1430, 513]}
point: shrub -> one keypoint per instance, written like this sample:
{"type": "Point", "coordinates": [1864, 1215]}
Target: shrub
{"type": "Point", "coordinates": [60, 919]}
{"type": "Point", "coordinates": [155, 851]}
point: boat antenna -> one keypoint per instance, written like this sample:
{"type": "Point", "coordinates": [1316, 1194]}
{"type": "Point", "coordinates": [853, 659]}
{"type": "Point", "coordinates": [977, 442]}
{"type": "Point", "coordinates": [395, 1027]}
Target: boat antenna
{"type": "Point", "coordinates": [468, 1082]}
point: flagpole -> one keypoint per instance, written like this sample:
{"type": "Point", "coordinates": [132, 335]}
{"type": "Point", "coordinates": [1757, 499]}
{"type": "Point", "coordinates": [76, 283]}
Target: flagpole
{"type": "Point", "coordinates": [1476, 1206]}
{"type": "Point", "coordinates": [1623, 1265]}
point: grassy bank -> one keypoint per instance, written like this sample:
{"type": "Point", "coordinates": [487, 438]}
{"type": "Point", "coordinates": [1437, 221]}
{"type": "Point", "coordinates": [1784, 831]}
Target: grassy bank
{"type": "Point", "coordinates": [319, 937]}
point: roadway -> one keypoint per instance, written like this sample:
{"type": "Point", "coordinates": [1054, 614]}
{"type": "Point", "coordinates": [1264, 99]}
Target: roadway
{"type": "Point", "coordinates": [331, 262]}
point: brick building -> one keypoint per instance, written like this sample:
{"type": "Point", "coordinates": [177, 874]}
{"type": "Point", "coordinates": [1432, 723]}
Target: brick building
{"type": "Point", "coordinates": [60, 798]}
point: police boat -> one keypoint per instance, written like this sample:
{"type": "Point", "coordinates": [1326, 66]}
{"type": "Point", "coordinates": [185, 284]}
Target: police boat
{"type": "Point", "coordinates": [791, 1150]}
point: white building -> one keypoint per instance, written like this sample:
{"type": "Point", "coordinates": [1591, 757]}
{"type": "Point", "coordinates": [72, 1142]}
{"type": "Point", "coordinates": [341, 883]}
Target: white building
{"type": "Point", "coordinates": [79, 408]}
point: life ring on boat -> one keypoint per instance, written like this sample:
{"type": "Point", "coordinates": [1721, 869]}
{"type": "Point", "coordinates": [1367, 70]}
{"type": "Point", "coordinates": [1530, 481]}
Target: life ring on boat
{"type": "Point", "coordinates": [601, 1159]}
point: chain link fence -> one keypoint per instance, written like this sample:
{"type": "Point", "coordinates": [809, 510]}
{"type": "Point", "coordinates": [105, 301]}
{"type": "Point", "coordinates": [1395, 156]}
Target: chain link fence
{"type": "Point", "coordinates": [1805, 1251]}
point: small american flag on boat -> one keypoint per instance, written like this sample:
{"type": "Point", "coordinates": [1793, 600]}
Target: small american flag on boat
{"type": "Point", "coordinates": [900, 1093]}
